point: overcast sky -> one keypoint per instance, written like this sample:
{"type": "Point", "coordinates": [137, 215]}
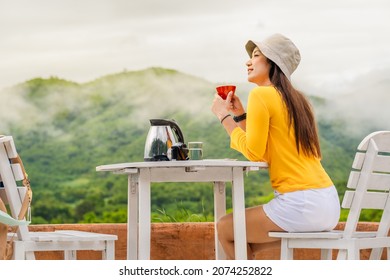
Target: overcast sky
{"type": "Point", "coordinates": [81, 40]}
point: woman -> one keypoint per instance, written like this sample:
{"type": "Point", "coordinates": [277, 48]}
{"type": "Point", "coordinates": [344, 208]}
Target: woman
{"type": "Point", "coordinates": [279, 128]}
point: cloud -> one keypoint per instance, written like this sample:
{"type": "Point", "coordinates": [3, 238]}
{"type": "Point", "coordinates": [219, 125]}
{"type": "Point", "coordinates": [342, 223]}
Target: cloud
{"type": "Point", "coordinates": [362, 101]}
{"type": "Point", "coordinates": [202, 38]}
{"type": "Point", "coordinates": [15, 109]}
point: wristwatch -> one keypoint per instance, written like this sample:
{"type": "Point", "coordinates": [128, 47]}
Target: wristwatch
{"type": "Point", "coordinates": [239, 118]}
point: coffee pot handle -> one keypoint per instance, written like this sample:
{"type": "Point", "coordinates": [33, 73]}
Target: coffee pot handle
{"type": "Point", "coordinates": [175, 127]}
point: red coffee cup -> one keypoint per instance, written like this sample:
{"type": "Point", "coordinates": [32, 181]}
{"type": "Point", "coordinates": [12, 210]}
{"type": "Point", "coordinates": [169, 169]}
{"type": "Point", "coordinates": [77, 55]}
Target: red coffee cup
{"type": "Point", "coordinates": [224, 90]}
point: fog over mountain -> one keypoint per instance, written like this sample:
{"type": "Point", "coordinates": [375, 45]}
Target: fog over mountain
{"type": "Point", "coordinates": [361, 100]}
{"type": "Point", "coordinates": [143, 95]}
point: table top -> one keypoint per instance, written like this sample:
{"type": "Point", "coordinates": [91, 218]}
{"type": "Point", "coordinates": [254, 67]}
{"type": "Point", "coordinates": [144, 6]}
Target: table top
{"type": "Point", "coordinates": [183, 163]}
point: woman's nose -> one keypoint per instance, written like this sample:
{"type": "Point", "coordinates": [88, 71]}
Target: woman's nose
{"type": "Point", "coordinates": [248, 63]}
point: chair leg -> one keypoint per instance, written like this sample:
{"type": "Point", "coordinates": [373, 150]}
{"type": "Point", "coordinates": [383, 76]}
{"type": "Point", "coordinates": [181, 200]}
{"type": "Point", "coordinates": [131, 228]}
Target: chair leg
{"type": "Point", "coordinates": [326, 254]}
{"type": "Point", "coordinates": [353, 253]}
{"type": "Point", "coordinates": [286, 252]}
{"type": "Point", "coordinates": [376, 253]}
{"type": "Point", "coordinates": [19, 251]}
{"type": "Point", "coordinates": [30, 255]}
{"type": "Point", "coordinates": [70, 255]}
{"type": "Point", "coordinates": [342, 254]}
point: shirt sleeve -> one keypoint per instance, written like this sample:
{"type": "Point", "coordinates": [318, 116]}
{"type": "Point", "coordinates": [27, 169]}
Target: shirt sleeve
{"type": "Point", "coordinates": [252, 143]}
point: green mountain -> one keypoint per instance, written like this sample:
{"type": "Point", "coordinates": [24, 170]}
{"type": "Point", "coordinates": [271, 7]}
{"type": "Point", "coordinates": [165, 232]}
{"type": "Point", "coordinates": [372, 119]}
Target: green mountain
{"type": "Point", "coordinates": [63, 130]}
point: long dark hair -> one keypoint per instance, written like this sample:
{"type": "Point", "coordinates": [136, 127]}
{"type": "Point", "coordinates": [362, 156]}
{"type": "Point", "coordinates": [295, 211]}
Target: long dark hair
{"type": "Point", "coordinates": [300, 113]}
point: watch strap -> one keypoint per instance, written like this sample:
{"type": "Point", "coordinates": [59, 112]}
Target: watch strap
{"type": "Point", "coordinates": [239, 118]}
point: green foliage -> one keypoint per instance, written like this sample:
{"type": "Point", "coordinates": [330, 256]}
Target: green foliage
{"type": "Point", "coordinates": [371, 215]}
{"type": "Point", "coordinates": [76, 127]}
{"type": "Point", "coordinates": [181, 214]}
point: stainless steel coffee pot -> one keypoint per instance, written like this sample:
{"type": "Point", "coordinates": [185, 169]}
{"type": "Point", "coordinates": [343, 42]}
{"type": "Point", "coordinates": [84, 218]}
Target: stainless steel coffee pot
{"type": "Point", "coordinates": [163, 135]}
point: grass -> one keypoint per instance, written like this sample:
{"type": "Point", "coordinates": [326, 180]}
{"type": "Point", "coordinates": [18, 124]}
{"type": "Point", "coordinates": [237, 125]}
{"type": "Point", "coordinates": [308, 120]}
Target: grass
{"type": "Point", "coordinates": [180, 214]}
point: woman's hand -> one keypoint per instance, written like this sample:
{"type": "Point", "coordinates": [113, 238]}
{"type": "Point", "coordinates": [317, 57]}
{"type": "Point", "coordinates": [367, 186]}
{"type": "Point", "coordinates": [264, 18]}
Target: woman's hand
{"type": "Point", "coordinates": [234, 104]}
{"type": "Point", "coordinates": [222, 108]}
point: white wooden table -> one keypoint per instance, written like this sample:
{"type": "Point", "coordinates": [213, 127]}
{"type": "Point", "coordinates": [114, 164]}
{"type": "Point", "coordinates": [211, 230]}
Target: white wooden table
{"type": "Point", "coordinates": [142, 174]}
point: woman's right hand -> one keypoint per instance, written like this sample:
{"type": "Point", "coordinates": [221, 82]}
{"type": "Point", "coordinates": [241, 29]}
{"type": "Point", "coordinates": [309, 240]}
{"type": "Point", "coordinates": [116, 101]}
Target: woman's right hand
{"type": "Point", "coordinates": [235, 105]}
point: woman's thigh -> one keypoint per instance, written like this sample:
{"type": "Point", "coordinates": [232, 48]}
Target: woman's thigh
{"type": "Point", "coordinates": [257, 226]}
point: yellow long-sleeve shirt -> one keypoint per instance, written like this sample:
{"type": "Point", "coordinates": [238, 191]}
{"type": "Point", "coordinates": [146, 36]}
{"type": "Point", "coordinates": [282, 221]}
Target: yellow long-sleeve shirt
{"type": "Point", "coordinates": [269, 138]}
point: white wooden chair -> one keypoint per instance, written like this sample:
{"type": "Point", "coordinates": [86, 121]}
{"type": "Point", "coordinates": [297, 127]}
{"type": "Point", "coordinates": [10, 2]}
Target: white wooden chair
{"type": "Point", "coordinates": [26, 243]}
{"type": "Point", "coordinates": [369, 184]}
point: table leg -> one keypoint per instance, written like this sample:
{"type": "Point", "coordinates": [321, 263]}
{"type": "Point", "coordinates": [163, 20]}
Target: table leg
{"type": "Point", "coordinates": [238, 201]}
{"type": "Point", "coordinates": [219, 211]}
{"type": "Point", "coordinates": [144, 215]}
{"type": "Point", "coordinates": [132, 217]}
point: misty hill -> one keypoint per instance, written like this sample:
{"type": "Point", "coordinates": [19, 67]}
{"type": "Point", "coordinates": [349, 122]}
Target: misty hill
{"type": "Point", "coordinates": [365, 101]}
{"type": "Point", "coordinates": [63, 130]}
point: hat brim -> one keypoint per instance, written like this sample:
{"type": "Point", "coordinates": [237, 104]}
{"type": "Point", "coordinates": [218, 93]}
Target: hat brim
{"type": "Point", "coordinates": [250, 46]}
{"type": "Point", "coordinates": [267, 52]}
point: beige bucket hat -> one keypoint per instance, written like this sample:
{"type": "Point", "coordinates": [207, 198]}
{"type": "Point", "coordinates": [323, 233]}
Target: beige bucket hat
{"type": "Point", "coordinates": [280, 50]}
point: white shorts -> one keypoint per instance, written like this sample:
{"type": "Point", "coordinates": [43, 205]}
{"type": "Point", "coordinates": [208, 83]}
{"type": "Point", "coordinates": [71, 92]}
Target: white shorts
{"type": "Point", "coordinates": [307, 210]}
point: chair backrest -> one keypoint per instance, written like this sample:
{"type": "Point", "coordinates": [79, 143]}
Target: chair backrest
{"type": "Point", "coordinates": [369, 182]}
{"type": "Point", "coordinates": [10, 176]}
